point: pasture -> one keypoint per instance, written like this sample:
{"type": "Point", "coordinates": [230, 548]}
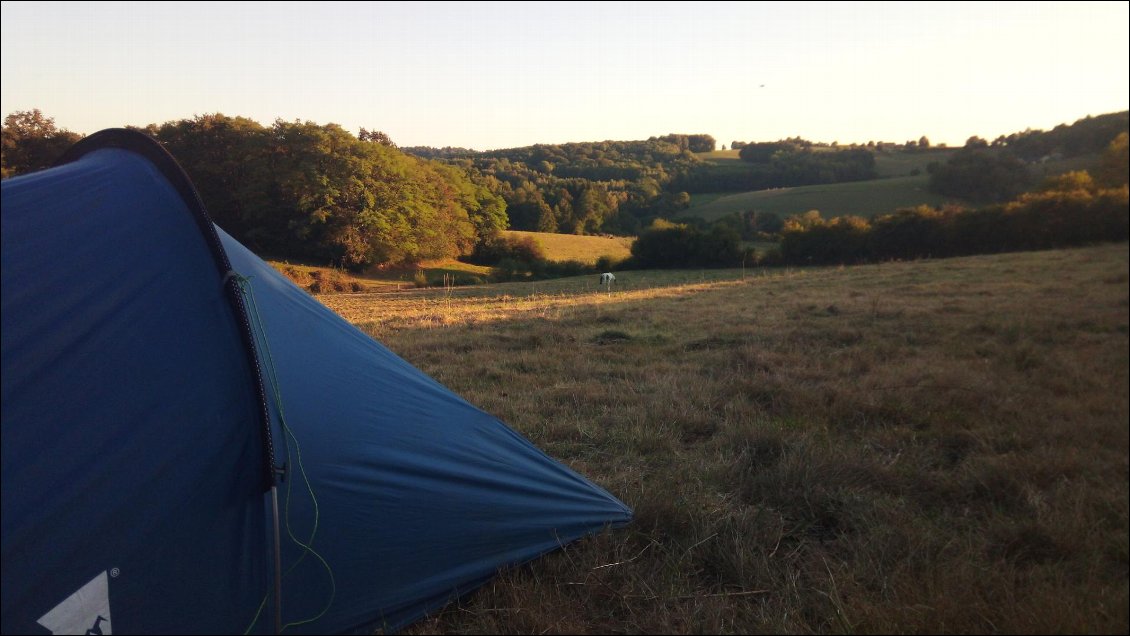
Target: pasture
{"type": "Point", "coordinates": [323, 279]}
{"type": "Point", "coordinates": [888, 163]}
{"type": "Point", "coordinates": [936, 446]}
{"type": "Point", "coordinates": [571, 247]}
{"type": "Point", "coordinates": [860, 198]}
{"type": "Point", "coordinates": [900, 163]}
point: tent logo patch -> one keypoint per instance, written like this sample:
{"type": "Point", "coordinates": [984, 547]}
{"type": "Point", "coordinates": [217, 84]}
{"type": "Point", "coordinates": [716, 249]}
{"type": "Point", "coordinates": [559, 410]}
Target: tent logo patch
{"type": "Point", "coordinates": [87, 611]}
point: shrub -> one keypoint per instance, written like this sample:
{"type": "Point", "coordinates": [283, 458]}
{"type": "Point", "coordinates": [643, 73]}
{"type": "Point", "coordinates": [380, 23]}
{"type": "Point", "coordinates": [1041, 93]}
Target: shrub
{"type": "Point", "coordinates": [331, 281]}
{"type": "Point", "coordinates": [299, 277]}
{"type": "Point", "coordinates": [494, 249]}
{"type": "Point", "coordinates": [683, 246]}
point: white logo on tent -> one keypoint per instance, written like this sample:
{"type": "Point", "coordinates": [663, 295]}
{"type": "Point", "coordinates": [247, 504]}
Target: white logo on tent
{"type": "Point", "coordinates": [87, 611]}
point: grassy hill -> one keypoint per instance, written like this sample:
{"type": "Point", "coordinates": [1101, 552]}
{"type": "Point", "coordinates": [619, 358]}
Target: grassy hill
{"type": "Point", "coordinates": [901, 163]}
{"type": "Point", "coordinates": [902, 183]}
{"type": "Point", "coordinates": [862, 198]}
{"type": "Point", "coordinates": [570, 247]}
{"type": "Point", "coordinates": [905, 447]}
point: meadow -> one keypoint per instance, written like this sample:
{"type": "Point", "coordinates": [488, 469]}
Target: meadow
{"type": "Point", "coordinates": [924, 447]}
{"type": "Point", "coordinates": [572, 247]}
{"type": "Point", "coordinates": [860, 198]}
{"type": "Point", "coordinates": [439, 273]}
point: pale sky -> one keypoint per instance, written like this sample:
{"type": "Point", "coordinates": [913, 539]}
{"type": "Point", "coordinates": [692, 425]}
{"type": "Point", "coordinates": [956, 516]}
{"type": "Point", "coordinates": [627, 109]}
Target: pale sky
{"type": "Point", "coordinates": [499, 75]}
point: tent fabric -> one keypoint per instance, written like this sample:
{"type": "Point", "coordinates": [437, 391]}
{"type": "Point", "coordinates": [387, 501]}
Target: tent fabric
{"type": "Point", "coordinates": [132, 442]}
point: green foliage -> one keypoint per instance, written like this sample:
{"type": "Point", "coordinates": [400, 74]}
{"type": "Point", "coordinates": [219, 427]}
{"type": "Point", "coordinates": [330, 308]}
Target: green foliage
{"type": "Point", "coordinates": [1114, 169]}
{"type": "Point", "coordinates": [785, 163]}
{"type": "Point", "coordinates": [685, 246]}
{"type": "Point", "coordinates": [976, 173]}
{"type": "Point", "coordinates": [30, 142]}
{"type": "Point", "coordinates": [1089, 135]}
{"type": "Point", "coordinates": [763, 152]}
{"type": "Point", "coordinates": [496, 248]}
{"type": "Point", "coordinates": [608, 263]}
{"type": "Point", "coordinates": [306, 190]}
{"type": "Point", "coordinates": [1069, 210]}
{"type": "Point", "coordinates": [315, 191]}
{"type": "Point", "coordinates": [693, 143]}
{"type": "Point", "coordinates": [585, 188]}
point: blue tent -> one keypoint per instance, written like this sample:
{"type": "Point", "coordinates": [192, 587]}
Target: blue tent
{"type": "Point", "coordinates": [162, 388]}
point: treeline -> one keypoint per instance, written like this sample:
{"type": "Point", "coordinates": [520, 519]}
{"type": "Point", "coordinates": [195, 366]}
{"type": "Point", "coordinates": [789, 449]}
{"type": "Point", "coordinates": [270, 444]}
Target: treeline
{"type": "Point", "coordinates": [999, 171]}
{"type": "Point", "coordinates": [1086, 136]}
{"type": "Point", "coordinates": [614, 187]}
{"type": "Point", "coordinates": [779, 164]}
{"type": "Point", "coordinates": [1071, 209]}
{"type": "Point", "coordinates": [668, 245]}
{"type": "Point", "coordinates": [30, 141]}
{"type": "Point", "coordinates": [621, 187]}
{"type": "Point", "coordinates": [310, 191]}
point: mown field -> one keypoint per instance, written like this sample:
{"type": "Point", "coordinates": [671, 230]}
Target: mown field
{"type": "Point", "coordinates": [571, 247]}
{"type": "Point", "coordinates": [925, 447]}
{"type": "Point", "coordinates": [861, 198]}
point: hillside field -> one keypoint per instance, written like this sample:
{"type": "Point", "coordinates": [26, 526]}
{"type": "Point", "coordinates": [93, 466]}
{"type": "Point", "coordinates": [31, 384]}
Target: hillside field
{"type": "Point", "coordinates": [889, 163]}
{"type": "Point", "coordinates": [935, 446]}
{"type": "Point", "coordinates": [571, 247]}
{"type": "Point", "coordinates": [860, 198]}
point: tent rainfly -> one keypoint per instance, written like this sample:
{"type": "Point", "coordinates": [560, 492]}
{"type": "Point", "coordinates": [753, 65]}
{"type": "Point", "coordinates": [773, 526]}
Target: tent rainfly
{"type": "Point", "coordinates": [167, 396]}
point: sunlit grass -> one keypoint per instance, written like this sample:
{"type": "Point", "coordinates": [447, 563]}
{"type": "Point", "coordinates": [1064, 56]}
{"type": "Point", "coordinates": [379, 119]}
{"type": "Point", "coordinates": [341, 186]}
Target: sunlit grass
{"type": "Point", "coordinates": [572, 247]}
{"type": "Point", "coordinates": [937, 446]}
{"type": "Point", "coordinates": [861, 198]}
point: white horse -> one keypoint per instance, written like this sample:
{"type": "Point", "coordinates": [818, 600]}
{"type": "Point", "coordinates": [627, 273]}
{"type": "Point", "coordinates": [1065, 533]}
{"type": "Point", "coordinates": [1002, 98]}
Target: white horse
{"type": "Point", "coordinates": [607, 279]}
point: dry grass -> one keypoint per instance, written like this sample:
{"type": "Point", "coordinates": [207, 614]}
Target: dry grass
{"type": "Point", "coordinates": [930, 447]}
{"type": "Point", "coordinates": [571, 247]}
{"type": "Point", "coordinates": [325, 280]}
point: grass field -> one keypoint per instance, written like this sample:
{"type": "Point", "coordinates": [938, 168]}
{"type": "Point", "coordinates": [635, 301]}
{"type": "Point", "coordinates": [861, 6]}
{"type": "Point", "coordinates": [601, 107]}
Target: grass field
{"type": "Point", "coordinates": [861, 198]}
{"type": "Point", "coordinates": [720, 156]}
{"type": "Point", "coordinates": [936, 446]}
{"type": "Point", "coordinates": [571, 247]}
{"type": "Point", "coordinates": [557, 247]}
{"type": "Point", "coordinates": [894, 163]}
{"type": "Point", "coordinates": [306, 275]}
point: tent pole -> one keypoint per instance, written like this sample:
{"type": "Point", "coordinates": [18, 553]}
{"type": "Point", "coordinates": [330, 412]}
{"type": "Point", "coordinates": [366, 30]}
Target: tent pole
{"type": "Point", "coordinates": [278, 559]}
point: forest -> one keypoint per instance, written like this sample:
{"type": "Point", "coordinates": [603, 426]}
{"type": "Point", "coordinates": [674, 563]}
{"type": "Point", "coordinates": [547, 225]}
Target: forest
{"type": "Point", "coordinates": [312, 191]}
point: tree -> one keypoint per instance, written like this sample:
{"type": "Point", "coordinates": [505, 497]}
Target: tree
{"type": "Point", "coordinates": [376, 136]}
{"type": "Point", "coordinates": [980, 174]}
{"type": "Point", "coordinates": [31, 141]}
{"type": "Point", "coordinates": [762, 152]}
{"type": "Point", "coordinates": [976, 142]}
{"type": "Point", "coordinates": [1114, 168]}
{"type": "Point", "coordinates": [923, 142]}
{"type": "Point", "coordinates": [226, 159]}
